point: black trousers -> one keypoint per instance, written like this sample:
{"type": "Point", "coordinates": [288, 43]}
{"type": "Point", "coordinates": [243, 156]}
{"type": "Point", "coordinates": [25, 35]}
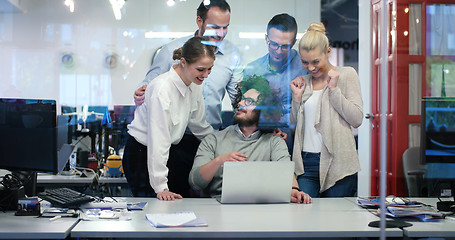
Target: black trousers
{"type": "Point", "coordinates": [180, 162]}
{"type": "Point", "coordinates": [181, 158]}
{"type": "Point", "coordinates": [134, 165]}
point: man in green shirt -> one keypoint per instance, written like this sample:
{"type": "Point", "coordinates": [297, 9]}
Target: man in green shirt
{"type": "Point", "coordinates": [251, 139]}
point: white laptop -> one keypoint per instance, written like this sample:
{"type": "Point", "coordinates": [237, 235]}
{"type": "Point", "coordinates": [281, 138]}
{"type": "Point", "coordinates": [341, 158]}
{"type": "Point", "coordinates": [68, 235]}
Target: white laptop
{"type": "Point", "coordinates": [257, 182]}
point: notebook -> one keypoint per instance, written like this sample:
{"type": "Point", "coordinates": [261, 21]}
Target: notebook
{"type": "Point", "coordinates": [257, 182]}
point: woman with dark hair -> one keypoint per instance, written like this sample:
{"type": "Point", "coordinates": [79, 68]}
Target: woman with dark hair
{"type": "Point", "coordinates": [173, 102]}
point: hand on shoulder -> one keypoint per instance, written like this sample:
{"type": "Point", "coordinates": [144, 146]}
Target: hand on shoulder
{"type": "Point", "coordinates": [139, 95]}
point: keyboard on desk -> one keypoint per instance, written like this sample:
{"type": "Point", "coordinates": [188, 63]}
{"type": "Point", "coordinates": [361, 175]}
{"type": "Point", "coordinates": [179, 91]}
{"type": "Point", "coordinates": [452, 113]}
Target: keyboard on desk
{"type": "Point", "coordinates": [65, 197]}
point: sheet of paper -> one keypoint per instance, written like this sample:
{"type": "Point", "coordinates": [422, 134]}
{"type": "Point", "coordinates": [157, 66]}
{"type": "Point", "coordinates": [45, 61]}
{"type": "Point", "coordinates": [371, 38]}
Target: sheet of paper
{"type": "Point", "coordinates": [171, 219]}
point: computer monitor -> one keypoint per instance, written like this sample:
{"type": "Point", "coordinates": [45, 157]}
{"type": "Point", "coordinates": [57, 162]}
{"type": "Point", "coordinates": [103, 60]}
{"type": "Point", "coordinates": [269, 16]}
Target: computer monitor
{"type": "Point", "coordinates": [437, 145]}
{"type": "Point", "coordinates": [28, 139]}
{"type": "Point", "coordinates": [71, 112]}
{"type": "Point", "coordinates": [64, 141]}
{"type": "Point", "coordinates": [96, 113]}
{"type": "Point", "coordinates": [123, 114]}
{"type": "Point", "coordinates": [68, 109]}
{"type": "Point", "coordinates": [438, 130]}
{"type": "Point", "coordinates": [28, 135]}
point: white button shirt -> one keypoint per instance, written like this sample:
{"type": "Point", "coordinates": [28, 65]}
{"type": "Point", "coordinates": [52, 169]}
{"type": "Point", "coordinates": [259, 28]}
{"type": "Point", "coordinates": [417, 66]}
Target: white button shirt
{"type": "Point", "coordinates": [170, 106]}
{"type": "Point", "coordinates": [227, 71]}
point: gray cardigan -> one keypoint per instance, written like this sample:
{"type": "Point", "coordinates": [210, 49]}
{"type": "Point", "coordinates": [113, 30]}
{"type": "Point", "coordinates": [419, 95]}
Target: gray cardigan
{"type": "Point", "coordinates": [338, 110]}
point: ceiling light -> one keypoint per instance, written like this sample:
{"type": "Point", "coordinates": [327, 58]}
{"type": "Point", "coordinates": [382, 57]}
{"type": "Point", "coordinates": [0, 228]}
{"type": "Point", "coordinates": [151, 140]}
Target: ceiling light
{"type": "Point", "coordinates": [117, 5]}
{"type": "Point", "coordinates": [69, 4]}
{"type": "Point", "coordinates": [152, 34]}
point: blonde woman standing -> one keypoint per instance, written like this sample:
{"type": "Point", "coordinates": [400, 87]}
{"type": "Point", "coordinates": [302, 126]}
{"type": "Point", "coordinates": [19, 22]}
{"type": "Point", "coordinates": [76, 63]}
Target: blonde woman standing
{"type": "Point", "coordinates": [326, 103]}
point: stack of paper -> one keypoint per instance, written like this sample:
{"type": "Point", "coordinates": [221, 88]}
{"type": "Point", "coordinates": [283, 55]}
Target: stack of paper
{"type": "Point", "coordinates": [179, 219]}
{"type": "Point", "coordinates": [136, 206]}
{"type": "Point", "coordinates": [399, 207]}
{"type": "Point", "coordinates": [105, 205]}
{"type": "Point", "coordinates": [422, 213]}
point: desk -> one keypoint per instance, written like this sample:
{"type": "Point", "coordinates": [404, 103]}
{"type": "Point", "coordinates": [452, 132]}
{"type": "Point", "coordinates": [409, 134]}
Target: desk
{"type": "Point", "coordinates": [46, 180]}
{"type": "Point", "coordinates": [334, 217]}
{"type": "Point", "coordinates": [31, 227]}
{"type": "Point", "coordinates": [443, 228]}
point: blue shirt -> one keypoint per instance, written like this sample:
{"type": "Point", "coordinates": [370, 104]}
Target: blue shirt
{"type": "Point", "coordinates": [226, 73]}
{"type": "Point", "coordinates": [279, 79]}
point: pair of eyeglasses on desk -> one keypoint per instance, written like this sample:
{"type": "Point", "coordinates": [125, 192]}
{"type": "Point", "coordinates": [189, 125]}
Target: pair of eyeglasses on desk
{"type": "Point", "coordinates": [397, 200]}
{"type": "Point", "coordinates": [390, 200]}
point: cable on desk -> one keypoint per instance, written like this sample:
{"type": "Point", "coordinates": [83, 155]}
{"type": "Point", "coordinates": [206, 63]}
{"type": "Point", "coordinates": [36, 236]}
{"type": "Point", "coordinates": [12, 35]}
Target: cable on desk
{"type": "Point", "coordinates": [11, 182]}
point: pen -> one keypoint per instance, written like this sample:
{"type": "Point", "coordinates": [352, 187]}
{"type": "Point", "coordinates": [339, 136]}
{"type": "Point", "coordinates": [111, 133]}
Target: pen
{"type": "Point", "coordinates": [55, 218]}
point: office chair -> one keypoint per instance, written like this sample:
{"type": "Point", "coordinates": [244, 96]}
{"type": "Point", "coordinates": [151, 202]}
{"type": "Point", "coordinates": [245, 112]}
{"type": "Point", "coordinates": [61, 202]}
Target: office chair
{"type": "Point", "coordinates": [414, 172]}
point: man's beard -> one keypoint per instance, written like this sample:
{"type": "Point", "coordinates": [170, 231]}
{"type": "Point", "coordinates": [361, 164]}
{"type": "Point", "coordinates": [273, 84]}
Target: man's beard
{"type": "Point", "coordinates": [249, 121]}
{"type": "Point", "coordinates": [207, 40]}
{"type": "Point", "coordinates": [283, 60]}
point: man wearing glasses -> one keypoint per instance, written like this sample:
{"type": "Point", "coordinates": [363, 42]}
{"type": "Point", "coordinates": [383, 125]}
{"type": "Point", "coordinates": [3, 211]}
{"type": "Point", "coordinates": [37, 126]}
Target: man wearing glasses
{"type": "Point", "coordinates": [251, 139]}
{"type": "Point", "coordinates": [281, 64]}
{"type": "Point", "coordinates": [213, 22]}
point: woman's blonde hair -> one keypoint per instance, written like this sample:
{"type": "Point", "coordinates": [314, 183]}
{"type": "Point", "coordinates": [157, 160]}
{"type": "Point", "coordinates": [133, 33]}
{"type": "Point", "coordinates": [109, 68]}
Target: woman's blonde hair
{"type": "Point", "coordinates": [314, 37]}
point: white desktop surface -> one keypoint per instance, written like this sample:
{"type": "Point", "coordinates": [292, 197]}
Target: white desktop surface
{"type": "Point", "coordinates": [31, 227]}
{"type": "Point", "coordinates": [336, 217]}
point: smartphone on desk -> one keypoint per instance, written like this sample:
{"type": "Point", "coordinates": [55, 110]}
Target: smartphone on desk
{"type": "Point", "coordinates": [63, 212]}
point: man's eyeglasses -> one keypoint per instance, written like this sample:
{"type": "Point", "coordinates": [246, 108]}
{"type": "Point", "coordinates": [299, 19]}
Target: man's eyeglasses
{"type": "Point", "coordinates": [249, 101]}
{"type": "Point", "coordinates": [274, 45]}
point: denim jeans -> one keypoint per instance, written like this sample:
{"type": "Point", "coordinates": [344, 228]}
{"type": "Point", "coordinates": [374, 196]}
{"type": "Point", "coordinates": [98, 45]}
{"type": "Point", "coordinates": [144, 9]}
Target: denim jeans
{"type": "Point", "coordinates": [310, 184]}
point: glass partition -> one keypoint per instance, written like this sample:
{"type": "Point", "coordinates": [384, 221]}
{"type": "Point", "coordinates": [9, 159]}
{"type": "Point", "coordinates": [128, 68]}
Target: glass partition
{"type": "Point", "coordinates": [440, 79]}
{"type": "Point", "coordinates": [415, 29]}
{"type": "Point", "coordinates": [415, 88]}
{"type": "Point", "coordinates": [98, 52]}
